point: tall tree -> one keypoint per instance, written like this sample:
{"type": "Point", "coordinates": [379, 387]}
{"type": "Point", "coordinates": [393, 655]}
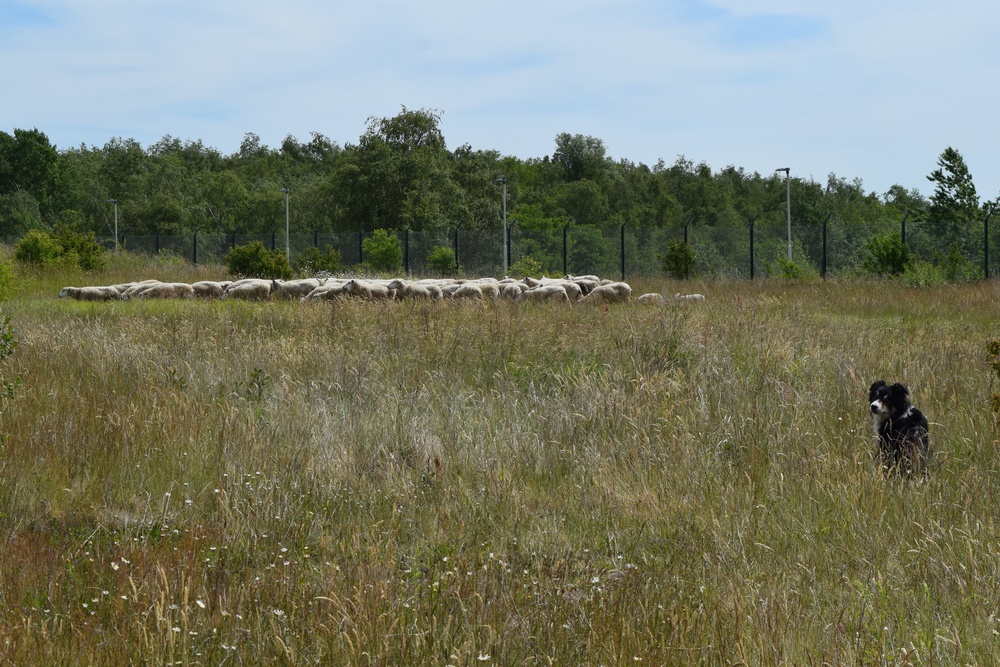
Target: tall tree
{"type": "Point", "coordinates": [954, 203]}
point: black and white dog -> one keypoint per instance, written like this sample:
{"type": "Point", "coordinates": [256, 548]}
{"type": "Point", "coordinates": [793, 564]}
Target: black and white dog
{"type": "Point", "coordinates": [901, 428]}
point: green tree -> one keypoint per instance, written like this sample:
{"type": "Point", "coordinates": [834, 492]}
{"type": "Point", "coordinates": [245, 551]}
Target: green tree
{"type": "Point", "coordinates": [954, 203]}
{"type": "Point", "coordinates": [382, 252]}
{"type": "Point", "coordinates": [253, 260]}
{"type": "Point", "coordinates": [28, 164]}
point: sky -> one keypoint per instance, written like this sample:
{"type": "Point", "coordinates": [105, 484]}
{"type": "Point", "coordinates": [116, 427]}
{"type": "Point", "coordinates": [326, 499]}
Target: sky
{"type": "Point", "coordinates": [864, 90]}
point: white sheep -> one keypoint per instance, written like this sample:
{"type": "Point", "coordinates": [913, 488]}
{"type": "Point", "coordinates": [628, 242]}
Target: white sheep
{"type": "Point", "coordinates": [366, 289]}
{"type": "Point", "coordinates": [406, 289]}
{"type": "Point", "coordinates": [136, 288]}
{"type": "Point", "coordinates": [608, 293]}
{"type": "Point", "coordinates": [248, 289]}
{"type": "Point", "coordinates": [167, 291]}
{"type": "Point", "coordinates": [467, 291]}
{"type": "Point", "coordinates": [511, 291]}
{"type": "Point", "coordinates": [210, 289]}
{"type": "Point", "coordinates": [547, 293]}
{"type": "Point", "coordinates": [294, 289]}
{"type": "Point", "coordinates": [331, 290]}
{"type": "Point", "coordinates": [91, 293]}
{"type": "Point", "coordinates": [652, 299]}
{"type": "Point", "coordinates": [689, 297]}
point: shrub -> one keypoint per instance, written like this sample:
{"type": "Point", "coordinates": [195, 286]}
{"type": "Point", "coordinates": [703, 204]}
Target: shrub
{"type": "Point", "coordinates": [255, 261]}
{"type": "Point", "coordinates": [6, 280]}
{"type": "Point", "coordinates": [65, 246]}
{"type": "Point", "coordinates": [382, 252]}
{"type": "Point", "coordinates": [956, 267]}
{"type": "Point", "coordinates": [678, 262]}
{"type": "Point", "coordinates": [785, 268]}
{"type": "Point", "coordinates": [923, 274]}
{"type": "Point", "coordinates": [313, 260]}
{"type": "Point", "coordinates": [38, 247]}
{"type": "Point", "coordinates": [442, 260]}
{"type": "Point", "coordinates": [525, 267]}
{"type": "Point", "coordinates": [886, 254]}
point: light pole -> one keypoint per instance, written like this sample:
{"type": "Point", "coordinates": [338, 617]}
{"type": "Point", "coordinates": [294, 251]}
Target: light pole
{"type": "Point", "coordinates": [288, 252]}
{"type": "Point", "coordinates": [115, 202]}
{"type": "Point", "coordinates": [503, 181]}
{"type": "Point", "coordinates": [788, 206]}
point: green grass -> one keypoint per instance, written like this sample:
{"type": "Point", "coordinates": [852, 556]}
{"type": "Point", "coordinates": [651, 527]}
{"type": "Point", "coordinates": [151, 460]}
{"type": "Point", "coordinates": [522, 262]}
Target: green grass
{"type": "Point", "coordinates": [216, 482]}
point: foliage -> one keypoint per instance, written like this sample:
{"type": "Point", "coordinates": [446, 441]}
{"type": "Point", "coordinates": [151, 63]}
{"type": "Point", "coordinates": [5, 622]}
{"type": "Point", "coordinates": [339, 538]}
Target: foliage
{"type": "Point", "coordinates": [7, 346]}
{"type": "Point", "coordinates": [993, 351]}
{"type": "Point", "coordinates": [526, 267]}
{"type": "Point", "coordinates": [923, 274]}
{"type": "Point", "coordinates": [314, 260]}
{"type": "Point", "coordinates": [954, 203]}
{"type": "Point", "coordinates": [441, 260]}
{"type": "Point", "coordinates": [7, 281]}
{"type": "Point", "coordinates": [382, 251]}
{"type": "Point", "coordinates": [679, 260]}
{"type": "Point", "coordinates": [253, 260]}
{"type": "Point", "coordinates": [956, 267]}
{"type": "Point", "coordinates": [38, 247]}
{"type": "Point", "coordinates": [65, 246]}
{"type": "Point", "coordinates": [782, 267]}
{"type": "Point", "coordinates": [886, 254]}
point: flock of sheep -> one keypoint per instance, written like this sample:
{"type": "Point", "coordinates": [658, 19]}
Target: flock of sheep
{"type": "Point", "coordinates": [569, 289]}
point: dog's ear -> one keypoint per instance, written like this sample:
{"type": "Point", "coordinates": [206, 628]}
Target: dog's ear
{"type": "Point", "coordinates": [875, 386]}
{"type": "Point", "coordinates": [901, 389]}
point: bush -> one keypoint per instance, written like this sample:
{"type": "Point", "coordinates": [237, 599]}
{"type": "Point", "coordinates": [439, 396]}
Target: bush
{"type": "Point", "coordinates": [923, 274]}
{"type": "Point", "coordinates": [6, 280]}
{"type": "Point", "coordinates": [442, 260]}
{"type": "Point", "coordinates": [956, 268]}
{"type": "Point", "coordinates": [526, 267]}
{"type": "Point", "coordinates": [679, 260]}
{"type": "Point", "coordinates": [886, 254]}
{"type": "Point", "coordinates": [65, 246]}
{"type": "Point", "coordinates": [38, 247]}
{"type": "Point", "coordinates": [382, 252]}
{"type": "Point", "coordinates": [255, 261]}
{"type": "Point", "coordinates": [313, 260]}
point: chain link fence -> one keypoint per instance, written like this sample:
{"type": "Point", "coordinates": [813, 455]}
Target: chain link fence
{"type": "Point", "coordinates": [738, 252]}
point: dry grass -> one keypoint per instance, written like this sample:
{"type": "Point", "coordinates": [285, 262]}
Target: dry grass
{"type": "Point", "coordinates": [219, 482]}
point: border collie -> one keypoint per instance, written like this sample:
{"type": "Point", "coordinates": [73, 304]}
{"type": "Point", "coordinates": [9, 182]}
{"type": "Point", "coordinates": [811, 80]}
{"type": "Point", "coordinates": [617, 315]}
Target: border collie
{"type": "Point", "coordinates": [901, 428]}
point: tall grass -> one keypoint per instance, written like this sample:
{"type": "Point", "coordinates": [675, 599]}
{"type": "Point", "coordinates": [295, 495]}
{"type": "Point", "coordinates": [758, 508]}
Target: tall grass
{"type": "Point", "coordinates": [217, 482]}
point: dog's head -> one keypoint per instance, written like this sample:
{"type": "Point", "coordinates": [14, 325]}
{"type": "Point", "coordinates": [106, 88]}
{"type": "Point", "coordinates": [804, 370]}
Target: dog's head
{"type": "Point", "coordinates": [888, 401]}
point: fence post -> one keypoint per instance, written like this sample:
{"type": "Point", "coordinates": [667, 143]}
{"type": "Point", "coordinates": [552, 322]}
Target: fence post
{"type": "Point", "coordinates": [823, 266]}
{"type": "Point", "coordinates": [157, 243]}
{"type": "Point", "coordinates": [361, 245]}
{"type": "Point", "coordinates": [406, 251]}
{"type": "Point", "coordinates": [316, 239]}
{"type": "Point", "coordinates": [565, 253]}
{"type": "Point", "coordinates": [752, 222]}
{"type": "Point", "coordinates": [194, 255]}
{"type": "Point", "coordinates": [457, 227]}
{"type": "Point", "coordinates": [986, 243]}
{"type": "Point", "coordinates": [510, 228]}
{"type": "Point", "coordinates": [274, 236]}
{"type": "Point", "coordinates": [902, 228]}
{"type": "Point", "coordinates": [623, 252]}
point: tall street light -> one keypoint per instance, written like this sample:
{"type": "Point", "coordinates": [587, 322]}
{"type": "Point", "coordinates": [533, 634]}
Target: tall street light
{"type": "Point", "coordinates": [788, 206]}
{"type": "Point", "coordinates": [115, 202]}
{"type": "Point", "coordinates": [288, 252]}
{"type": "Point", "coordinates": [503, 181]}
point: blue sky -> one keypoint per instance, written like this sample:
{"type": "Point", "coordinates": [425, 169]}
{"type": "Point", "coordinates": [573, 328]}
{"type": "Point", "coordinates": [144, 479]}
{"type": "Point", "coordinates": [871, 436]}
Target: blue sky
{"type": "Point", "coordinates": [874, 91]}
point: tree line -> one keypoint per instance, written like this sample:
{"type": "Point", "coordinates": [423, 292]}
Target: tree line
{"type": "Point", "coordinates": [401, 175]}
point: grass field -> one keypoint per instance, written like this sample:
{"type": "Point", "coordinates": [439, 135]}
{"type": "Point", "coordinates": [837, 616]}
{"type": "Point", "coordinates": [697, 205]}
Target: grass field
{"type": "Point", "coordinates": [388, 484]}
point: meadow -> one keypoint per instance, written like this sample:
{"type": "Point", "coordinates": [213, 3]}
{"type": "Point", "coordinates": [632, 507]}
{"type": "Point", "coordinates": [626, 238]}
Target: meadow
{"type": "Point", "coordinates": [219, 482]}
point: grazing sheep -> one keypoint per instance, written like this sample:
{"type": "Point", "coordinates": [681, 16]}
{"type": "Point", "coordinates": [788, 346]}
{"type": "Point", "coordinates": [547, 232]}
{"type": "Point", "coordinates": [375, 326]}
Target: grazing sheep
{"type": "Point", "coordinates": [553, 293]}
{"type": "Point", "coordinates": [689, 297]}
{"type": "Point", "coordinates": [467, 291]}
{"type": "Point", "coordinates": [511, 291]}
{"type": "Point", "coordinates": [138, 287]}
{"type": "Point", "coordinates": [248, 289]}
{"type": "Point", "coordinates": [609, 293]}
{"type": "Point", "coordinates": [489, 290]}
{"type": "Point", "coordinates": [210, 289]}
{"type": "Point", "coordinates": [167, 291]}
{"type": "Point", "coordinates": [331, 290]}
{"type": "Point", "coordinates": [405, 289]}
{"type": "Point", "coordinates": [92, 293]}
{"type": "Point", "coordinates": [294, 289]}
{"type": "Point", "coordinates": [652, 299]}
{"type": "Point", "coordinates": [365, 289]}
